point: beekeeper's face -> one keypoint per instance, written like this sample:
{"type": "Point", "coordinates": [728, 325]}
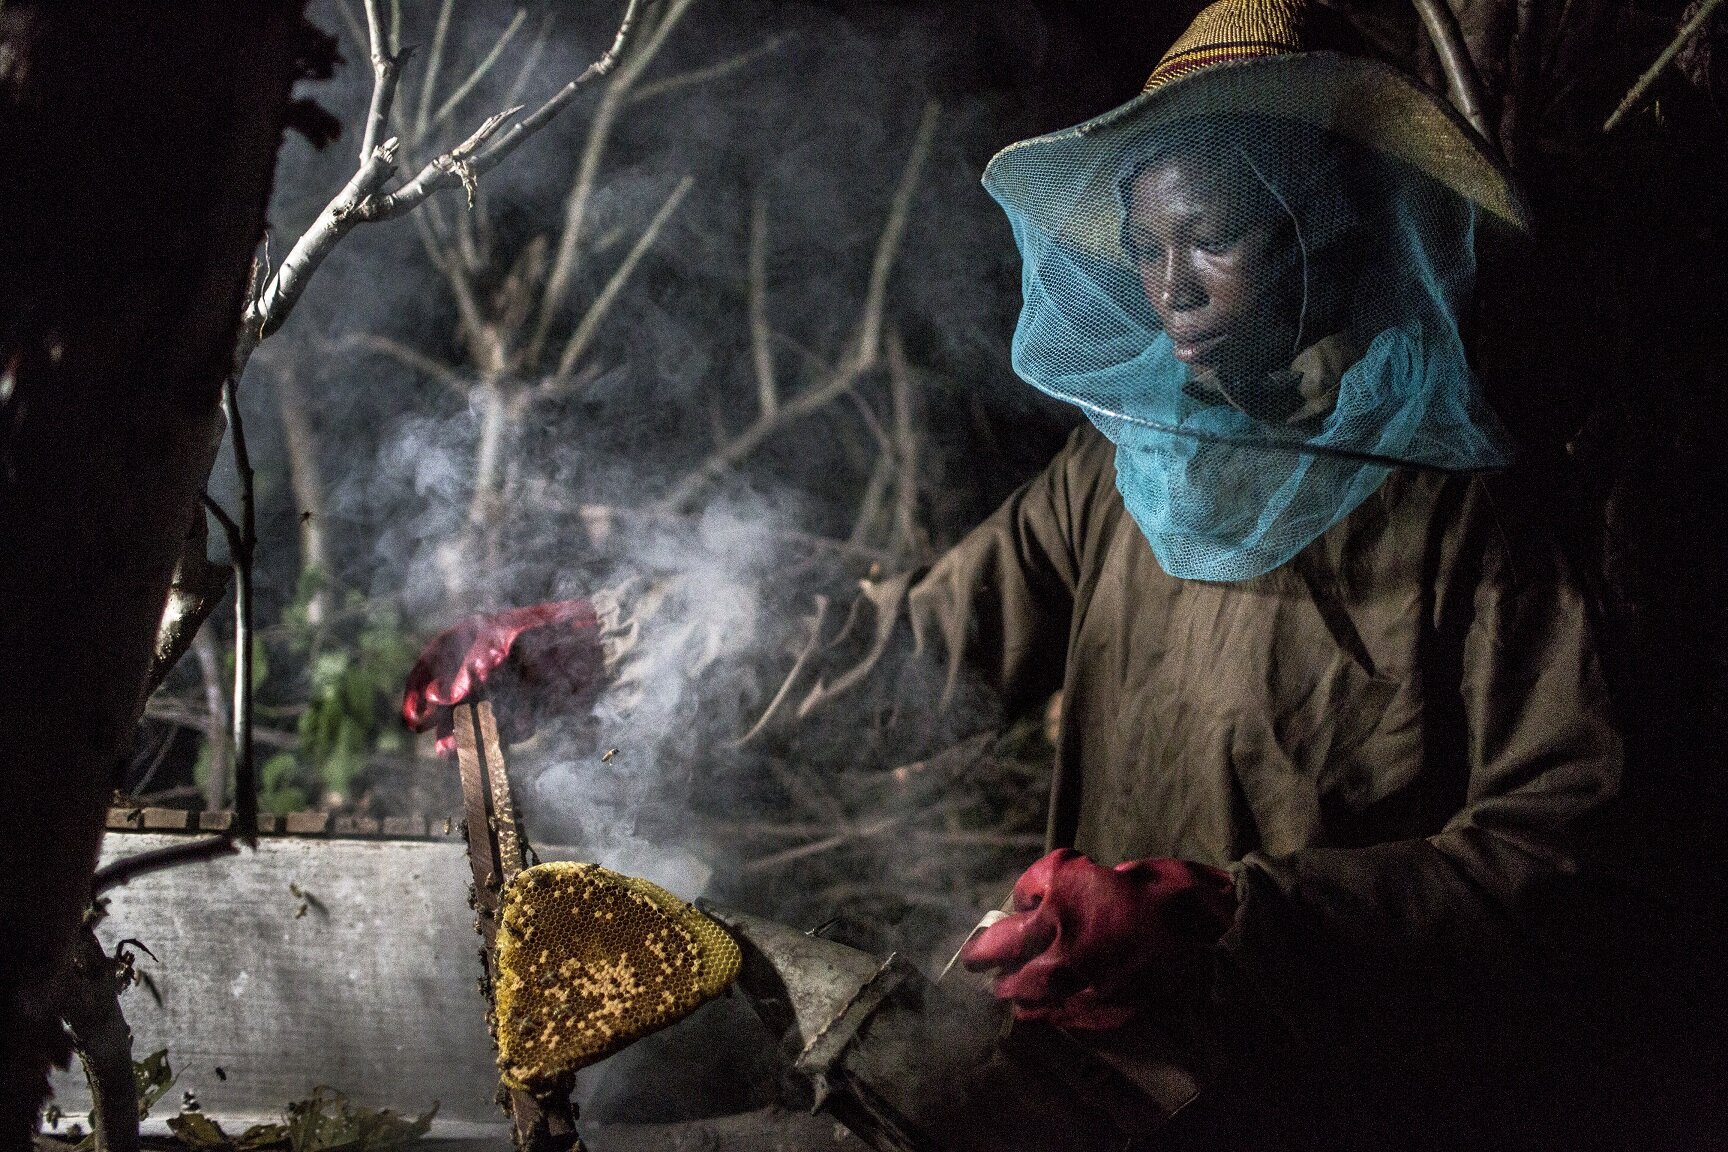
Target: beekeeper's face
{"type": "Point", "coordinates": [1218, 260]}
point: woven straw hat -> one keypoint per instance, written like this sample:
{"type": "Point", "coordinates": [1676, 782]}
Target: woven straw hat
{"type": "Point", "coordinates": [1258, 57]}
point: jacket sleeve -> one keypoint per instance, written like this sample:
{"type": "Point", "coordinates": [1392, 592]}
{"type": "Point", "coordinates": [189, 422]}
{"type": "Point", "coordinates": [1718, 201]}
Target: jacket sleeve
{"type": "Point", "coordinates": [982, 630]}
{"type": "Point", "coordinates": [1417, 955]}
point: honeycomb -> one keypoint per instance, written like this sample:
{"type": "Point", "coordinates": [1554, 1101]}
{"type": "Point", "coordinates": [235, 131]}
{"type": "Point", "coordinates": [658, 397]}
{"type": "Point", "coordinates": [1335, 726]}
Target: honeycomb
{"type": "Point", "coordinates": [590, 960]}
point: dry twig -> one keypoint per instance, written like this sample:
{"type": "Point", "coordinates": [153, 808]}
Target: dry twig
{"type": "Point", "coordinates": [454, 100]}
{"type": "Point", "coordinates": [761, 342]}
{"type": "Point", "coordinates": [612, 102]}
{"type": "Point", "coordinates": [865, 831]}
{"type": "Point", "coordinates": [859, 360]}
{"type": "Point", "coordinates": [242, 551]}
{"type": "Point", "coordinates": [408, 357]}
{"type": "Point", "coordinates": [712, 72]}
{"type": "Point", "coordinates": [907, 541]}
{"type": "Point", "coordinates": [129, 868]}
{"type": "Point", "coordinates": [1462, 82]}
{"type": "Point", "coordinates": [386, 68]}
{"type": "Point", "coordinates": [434, 64]}
{"type": "Point", "coordinates": [559, 383]}
{"type": "Point", "coordinates": [1648, 80]}
{"type": "Point", "coordinates": [812, 647]}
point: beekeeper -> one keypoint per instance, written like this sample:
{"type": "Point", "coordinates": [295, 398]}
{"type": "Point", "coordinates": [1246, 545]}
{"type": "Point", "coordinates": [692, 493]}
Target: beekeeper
{"type": "Point", "coordinates": [1331, 711]}
{"type": "Point", "coordinates": [1331, 708]}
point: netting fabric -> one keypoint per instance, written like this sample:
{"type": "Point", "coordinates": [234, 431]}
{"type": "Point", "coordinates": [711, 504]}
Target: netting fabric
{"type": "Point", "coordinates": [1257, 307]}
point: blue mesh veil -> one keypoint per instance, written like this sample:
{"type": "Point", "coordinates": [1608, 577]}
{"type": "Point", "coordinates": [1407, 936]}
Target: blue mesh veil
{"type": "Point", "coordinates": [1259, 313]}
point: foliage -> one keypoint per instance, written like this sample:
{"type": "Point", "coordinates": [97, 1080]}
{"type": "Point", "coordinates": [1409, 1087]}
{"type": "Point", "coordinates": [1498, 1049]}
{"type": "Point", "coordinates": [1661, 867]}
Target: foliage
{"type": "Point", "coordinates": [281, 787]}
{"type": "Point", "coordinates": [323, 1122]}
{"type": "Point", "coordinates": [355, 662]}
{"type": "Point", "coordinates": [260, 665]}
{"type": "Point", "coordinates": [196, 1130]}
{"type": "Point", "coordinates": [355, 690]}
{"type": "Point", "coordinates": [154, 1076]}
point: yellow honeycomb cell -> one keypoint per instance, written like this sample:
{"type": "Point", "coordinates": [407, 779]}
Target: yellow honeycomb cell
{"type": "Point", "coordinates": [590, 960]}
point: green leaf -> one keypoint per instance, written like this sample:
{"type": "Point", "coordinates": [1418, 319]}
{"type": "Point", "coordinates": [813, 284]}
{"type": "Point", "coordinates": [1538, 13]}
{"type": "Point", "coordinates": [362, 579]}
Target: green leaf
{"type": "Point", "coordinates": [347, 1128]}
{"type": "Point", "coordinates": [328, 670]}
{"type": "Point", "coordinates": [154, 1077]}
{"type": "Point", "coordinates": [340, 770]}
{"type": "Point", "coordinates": [201, 768]}
{"type": "Point", "coordinates": [358, 694]}
{"type": "Point", "coordinates": [281, 785]}
{"type": "Point", "coordinates": [260, 663]}
{"type": "Point", "coordinates": [262, 1136]}
{"type": "Point", "coordinates": [198, 1131]}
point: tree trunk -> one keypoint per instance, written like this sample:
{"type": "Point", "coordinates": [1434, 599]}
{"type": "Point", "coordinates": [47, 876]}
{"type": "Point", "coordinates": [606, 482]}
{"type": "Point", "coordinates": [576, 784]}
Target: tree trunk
{"type": "Point", "coordinates": [104, 1042]}
{"type": "Point", "coordinates": [137, 144]}
{"type": "Point", "coordinates": [216, 728]}
{"type": "Point", "coordinates": [306, 477]}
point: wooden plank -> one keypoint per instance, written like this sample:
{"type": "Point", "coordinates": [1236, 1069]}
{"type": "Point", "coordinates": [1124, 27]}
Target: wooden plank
{"type": "Point", "coordinates": [307, 823]}
{"type": "Point", "coordinates": [498, 786]}
{"type": "Point", "coordinates": [365, 981]}
{"type": "Point", "coordinates": [355, 826]}
{"type": "Point", "coordinates": [167, 819]}
{"type": "Point", "coordinates": [370, 990]}
{"type": "Point", "coordinates": [474, 821]}
{"type": "Point", "coordinates": [404, 826]}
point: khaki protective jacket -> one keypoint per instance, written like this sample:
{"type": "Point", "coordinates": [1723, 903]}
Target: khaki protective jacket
{"type": "Point", "coordinates": [1391, 740]}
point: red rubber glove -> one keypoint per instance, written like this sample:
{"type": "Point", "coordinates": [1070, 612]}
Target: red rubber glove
{"type": "Point", "coordinates": [534, 661]}
{"type": "Point", "coordinates": [1089, 946]}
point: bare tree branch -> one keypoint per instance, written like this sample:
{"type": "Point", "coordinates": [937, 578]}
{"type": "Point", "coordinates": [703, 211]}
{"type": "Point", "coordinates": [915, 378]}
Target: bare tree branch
{"type": "Point", "coordinates": [434, 64]}
{"type": "Point", "coordinates": [197, 587]}
{"type": "Point", "coordinates": [215, 723]}
{"type": "Point", "coordinates": [282, 291]}
{"type": "Point", "coordinates": [1462, 82]}
{"type": "Point", "coordinates": [461, 165]}
{"type": "Point", "coordinates": [597, 312]}
{"type": "Point", "coordinates": [872, 422]}
{"type": "Point", "coordinates": [229, 529]}
{"type": "Point", "coordinates": [761, 343]}
{"type": "Point", "coordinates": [906, 540]}
{"type": "Point", "coordinates": [129, 868]}
{"type": "Point", "coordinates": [462, 90]}
{"type": "Point", "coordinates": [362, 199]}
{"type": "Point", "coordinates": [864, 831]}
{"type": "Point", "coordinates": [90, 1006]}
{"type": "Point", "coordinates": [712, 72]}
{"type": "Point", "coordinates": [531, 58]}
{"type": "Point", "coordinates": [612, 101]}
{"type": "Point", "coordinates": [473, 320]}
{"type": "Point", "coordinates": [888, 247]}
{"type": "Point", "coordinates": [875, 492]}
{"type": "Point", "coordinates": [306, 480]}
{"type": "Point", "coordinates": [407, 357]}
{"type": "Point", "coordinates": [808, 653]}
{"type": "Point", "coordinates": [535, 120]}
{"type": "Point", "coordinates": [245, 763]}
{"type": "Point", "coordinates": [386, 69]}
{"type": "Point", "coordinates": [1653, 73]}
{"type": "Point", "coordinates": [866, 345]}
